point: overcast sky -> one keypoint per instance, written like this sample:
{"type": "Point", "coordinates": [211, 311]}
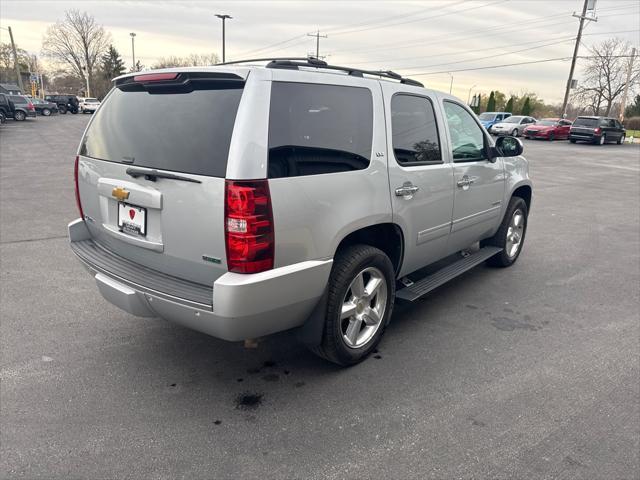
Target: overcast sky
{"type": "Point", "coordinates": [416, 38]}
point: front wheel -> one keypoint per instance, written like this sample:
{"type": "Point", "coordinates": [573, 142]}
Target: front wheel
{"type": "Point", "coordinates": [63, 110]}
{"type": "Point", "coordinates": [551, 137]}
{"type": "Point", "coordinates": [359, 304]}
{"type": "Point", "coordinates": [514, 132]}
{"type": "Point", "coordinates": [19, 116]}
{"type": "Point", "coordinates": [510, 235]}
{"type": "Point", "coordinates": [572, 140]}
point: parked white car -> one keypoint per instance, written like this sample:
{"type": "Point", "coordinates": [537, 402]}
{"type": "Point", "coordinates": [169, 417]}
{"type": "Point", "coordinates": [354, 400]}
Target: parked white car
{"type": "Point", "coordinates": [89, 105]}
{"type": "Point", "coordinates": [513, 125]}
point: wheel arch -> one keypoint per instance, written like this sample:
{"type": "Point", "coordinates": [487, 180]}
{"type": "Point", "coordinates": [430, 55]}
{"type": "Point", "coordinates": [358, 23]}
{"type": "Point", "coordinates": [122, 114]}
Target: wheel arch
{"type": "Point", "coordinates": [387, 236]}
{"type": "Point", "coordinates": [525, 192]}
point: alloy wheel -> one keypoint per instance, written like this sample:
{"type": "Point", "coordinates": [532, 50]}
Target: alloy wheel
{"type": "Point", "coordinates": [363, 307]}
{"type": "Point", "coordinates": [515, 233]}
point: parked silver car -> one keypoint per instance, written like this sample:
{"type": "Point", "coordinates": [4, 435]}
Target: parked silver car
{"type": "Point", "coordinates": [291, 195]}
{"type": "Point", "coordinates": [513, 125]}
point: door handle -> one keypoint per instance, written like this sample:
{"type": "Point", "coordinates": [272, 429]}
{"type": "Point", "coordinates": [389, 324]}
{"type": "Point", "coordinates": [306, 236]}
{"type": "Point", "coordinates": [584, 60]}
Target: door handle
{"type": "Point", "coordinates": [465, 181]}
{"type": "Point", "coordinates": [406, 190]}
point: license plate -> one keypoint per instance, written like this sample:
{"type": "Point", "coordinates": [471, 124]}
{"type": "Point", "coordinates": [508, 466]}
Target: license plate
{"type": "Point", "coordinates": [132, 220]}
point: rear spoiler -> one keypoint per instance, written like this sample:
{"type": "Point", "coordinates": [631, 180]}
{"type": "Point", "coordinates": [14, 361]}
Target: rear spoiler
{"type": "Point", "coordinates": [158, 82]}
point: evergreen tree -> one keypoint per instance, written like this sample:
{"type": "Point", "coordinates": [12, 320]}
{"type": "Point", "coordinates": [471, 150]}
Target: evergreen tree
{"type": "Point", "coordinates": [633, 110]}
{"type": "Point", "coordinates": [112, 63]}
{"type": "Point", "coordinates": [526, 108]}
{"type": "Point", "coordinates": [509, 107]}
{"type": "Point", "coordinates": [491, 104]}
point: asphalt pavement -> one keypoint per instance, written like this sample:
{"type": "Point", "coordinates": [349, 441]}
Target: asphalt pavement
{"type": "Point", "coordinates": [526, 372]}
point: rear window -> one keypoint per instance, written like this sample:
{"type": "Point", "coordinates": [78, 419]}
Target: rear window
{"type": "Point", "coordinates": [315, 129]}
{"type": "Point", "coordinates": [586, 122]}
{"type": "Point", "coordinates": [18, 99]}
{"type": "Point", "coordinates": [183, 132]}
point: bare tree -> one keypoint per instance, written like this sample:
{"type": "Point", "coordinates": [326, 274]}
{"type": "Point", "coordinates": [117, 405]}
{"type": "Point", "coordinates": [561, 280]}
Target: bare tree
{"type": "Point", "coordinates": [192, 60]}
{"type": "Point", "coordinates": [77, 41]}
{"type": "Point", "coordinates": [605, 76]}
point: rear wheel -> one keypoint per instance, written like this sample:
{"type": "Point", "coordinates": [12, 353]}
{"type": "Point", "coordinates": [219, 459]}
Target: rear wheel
{"type": "Point", "coordinates": [621, 140]}
{"type": "Point", "coordinates": [46, 112]}
{"type": "Point", "coordinates": [63, 109]}
{"type": "Point", "coordinates": [359, 304]}
{"type": "Point", "coordinates": [510, 235]}
{"type": "Point", "coordinates": [602, 140]}
{"type": "Point", "coordinates": [552, 137]}
{"type": "Point", "coordinates": [19, 116]}
{"type": "Point", "coordinates": [572, 140]}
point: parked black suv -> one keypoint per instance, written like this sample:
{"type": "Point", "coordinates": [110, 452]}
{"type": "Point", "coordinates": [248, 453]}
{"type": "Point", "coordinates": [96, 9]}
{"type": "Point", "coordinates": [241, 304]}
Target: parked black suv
{"type": "Point", "coordinates": [22, 107]}
{"type": "Point", "coordinates": [66, 103]}
{"type": "Point", "coordinates": [43, 107]}
{"type": "Point", "coordinates": [6, 107]}
{"type": "Point", "coordinates": [598, 130]}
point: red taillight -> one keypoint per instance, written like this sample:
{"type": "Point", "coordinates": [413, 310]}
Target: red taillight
{"type": "Point", "coordinates": [248, 225]}
{"type": "Point", "coordinates": [597, 130]}
{"type": "Point", "coordinates": [154, 77]}
{"type": "Point", "coordinates": [75, 176]}
{"type": "Point", "coordinates": [30, 107]}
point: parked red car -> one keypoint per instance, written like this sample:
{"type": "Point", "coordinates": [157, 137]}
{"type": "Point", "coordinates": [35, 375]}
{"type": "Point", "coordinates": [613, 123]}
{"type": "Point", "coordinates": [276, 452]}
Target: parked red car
{"type": "Point", "coordinates": [549, 129]}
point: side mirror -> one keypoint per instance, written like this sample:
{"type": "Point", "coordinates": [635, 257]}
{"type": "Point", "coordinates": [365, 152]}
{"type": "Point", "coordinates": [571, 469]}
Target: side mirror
{"type": "Point", "coordinates": [509, 146]}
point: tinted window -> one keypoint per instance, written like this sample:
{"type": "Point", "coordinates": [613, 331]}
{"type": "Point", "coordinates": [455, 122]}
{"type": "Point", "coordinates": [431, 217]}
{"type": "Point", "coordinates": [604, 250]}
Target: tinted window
{"type": "Point", "coordinates": [18, 99]}
{"type": "Point", "coordinates": [414, 130]}
{"type": "Point", "coordinates": [467, 139]}
{"type": "Point", "coordinates": [315, 129]}
{"type": "Point", "coordinates": [585, 122]}
{"type": "Point", "coordinates": [184, 132]}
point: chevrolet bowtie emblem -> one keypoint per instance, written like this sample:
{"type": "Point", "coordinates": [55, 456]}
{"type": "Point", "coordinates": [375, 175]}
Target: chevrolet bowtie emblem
{"type": "Point", "coordinates": [120, 193]}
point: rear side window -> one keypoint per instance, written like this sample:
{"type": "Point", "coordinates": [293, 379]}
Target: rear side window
{"type": "Point", "coordinates": [186, 132]}
{"type": "Point", "coordinates": [585, 122]}
{"type": "Point", "coordinates": [18, 99]}
{"type": "Point", "coordinates": [414, 130]}
{"type": "Point", "coordinates": [316, 129]}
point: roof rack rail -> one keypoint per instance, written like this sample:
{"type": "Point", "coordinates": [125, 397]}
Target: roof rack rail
{"type": "Point", "coordinates": [295, 62]}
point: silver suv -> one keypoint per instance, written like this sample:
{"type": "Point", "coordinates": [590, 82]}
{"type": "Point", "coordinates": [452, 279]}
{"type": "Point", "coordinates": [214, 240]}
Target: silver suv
{"type": "Point", "coordinates": [292, 195]}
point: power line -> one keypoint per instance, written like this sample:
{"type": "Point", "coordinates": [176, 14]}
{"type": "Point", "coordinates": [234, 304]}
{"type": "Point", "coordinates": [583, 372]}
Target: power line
{"type": "Point", "coordinates": [268, 47]}
{"type": "Point", "coordinates": [420, 19]}
{"type": "Point", "coordinates": [558, 41]}
{"type": "Point", "coordinates": [347, 28]}
{"type": "Point", "coordinates": [510, 65]}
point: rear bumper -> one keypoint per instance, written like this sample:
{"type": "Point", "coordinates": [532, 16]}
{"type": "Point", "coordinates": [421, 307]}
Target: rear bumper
{"type": "Point", "coordinates": [236, 307]}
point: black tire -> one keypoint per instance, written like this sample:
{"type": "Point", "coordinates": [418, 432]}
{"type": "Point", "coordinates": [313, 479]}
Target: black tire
{"type": "Point", "coordinates": [348, 264]}
{"type": "Point", "coordinates": [602, 140]}
{"type": "Point", "coordinates": [503, 259]}
{"type": "Point", "coordinates": [552, 137]}
{"type": "Point", "coordinates": [515, 132]}
{"type": "Point", "coordinates": [572, 140]}
{"type": "Point", "coordinates": [46, 112]}
{"type": "Point", "coordinates": [63, 110]}
{"type": "Point", "coordinates": [621, 140]}
{"type": "Point", "coordinates": [19, 116]}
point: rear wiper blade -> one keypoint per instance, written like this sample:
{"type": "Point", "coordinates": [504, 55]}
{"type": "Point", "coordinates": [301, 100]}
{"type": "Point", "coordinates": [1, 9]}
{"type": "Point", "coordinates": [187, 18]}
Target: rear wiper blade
{"type": "Point", "coordinates": [153, 175]}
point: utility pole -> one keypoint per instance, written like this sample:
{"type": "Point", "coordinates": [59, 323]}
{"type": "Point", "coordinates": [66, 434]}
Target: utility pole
{"type": "Point", "coordinates": [133, 51]}
{"type": "Point", "coordinates": [223, 17]}
{"type": "Point", "coordinates": [15, 60]}
{"type": "Point", "coordinates": [451, 84]}
{"type": "Point", "coordinates": [623, 103]}
{"type": "Point", "coordinates": [588, 5]}
{"type": "Point", "coordinates": [469, 96]}
{"type": "Point", "coordinates": [318, 37]}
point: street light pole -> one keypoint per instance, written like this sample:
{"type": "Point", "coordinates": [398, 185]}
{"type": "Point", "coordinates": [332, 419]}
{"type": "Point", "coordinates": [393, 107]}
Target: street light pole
{"type": "Point", "coordinates": [223, 17]}
{"type": "Point", "coordinates": [451, 84]}
{"type": "Point", "coordinates": [133, 51]}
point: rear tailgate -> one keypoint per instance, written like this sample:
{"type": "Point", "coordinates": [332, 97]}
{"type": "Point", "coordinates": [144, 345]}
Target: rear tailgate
{"type": "Point", "coordinates": [151, 172]}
